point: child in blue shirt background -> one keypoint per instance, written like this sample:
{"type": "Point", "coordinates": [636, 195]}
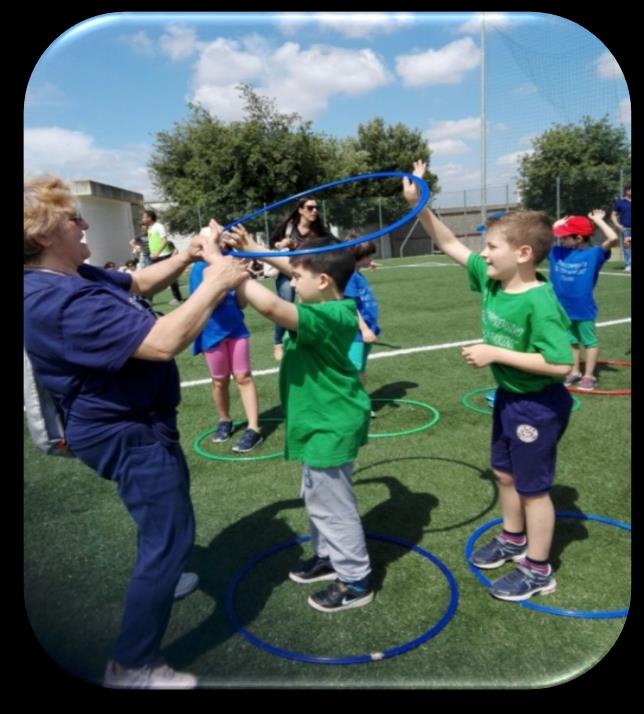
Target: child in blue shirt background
{"type": "Point", "coordinates": [574, 269]}
{"type": "Point", "coordinates": [225, 347]}
{"type": "Point", "coordinates": [358, 289]}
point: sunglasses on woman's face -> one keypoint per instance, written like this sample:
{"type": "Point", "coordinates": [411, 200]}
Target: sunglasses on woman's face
{"type": "Point", "coordinates": [310, 208]}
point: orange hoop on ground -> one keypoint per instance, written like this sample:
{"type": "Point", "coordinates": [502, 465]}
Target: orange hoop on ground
{"type": "Point", "coordinates": [606, 392]}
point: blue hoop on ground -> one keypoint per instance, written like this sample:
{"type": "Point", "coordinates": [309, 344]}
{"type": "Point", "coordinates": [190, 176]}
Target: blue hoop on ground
{"type": "Point", "coordinates": [424, 197]}
{"type": "Point", "coordinates": [581, 614]}
{"type": "Point", "coordinates": [357, 659]}
{"type": "Point", "coordinates": [465, 401]}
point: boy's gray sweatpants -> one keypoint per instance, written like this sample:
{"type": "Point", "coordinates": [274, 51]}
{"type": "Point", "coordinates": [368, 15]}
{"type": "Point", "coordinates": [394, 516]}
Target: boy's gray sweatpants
{"type": "Point", "coordinates": [334, 522]}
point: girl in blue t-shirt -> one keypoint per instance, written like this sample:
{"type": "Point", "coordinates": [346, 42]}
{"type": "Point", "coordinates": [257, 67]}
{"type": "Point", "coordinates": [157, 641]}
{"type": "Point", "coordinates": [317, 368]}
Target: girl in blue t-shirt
{"type": "Point", "coordinates": [574, 269]}
{"type": "Point", "coordinates": [358, 289]}
{"type": "Point", "coordinates": [225, 347]}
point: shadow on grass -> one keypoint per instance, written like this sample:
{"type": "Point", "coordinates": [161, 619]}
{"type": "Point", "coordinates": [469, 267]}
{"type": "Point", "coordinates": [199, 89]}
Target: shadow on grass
{"type": "Point", "coordinates": [395, 390]}
{"type": "Point", "coordinates": [567, 530]}
{"type": "Point", "coordinates": [403, 515]}
{"type": "Point", "coordinates": [216, 565]}
{"type": "Point", "coordinates": [484, 475]}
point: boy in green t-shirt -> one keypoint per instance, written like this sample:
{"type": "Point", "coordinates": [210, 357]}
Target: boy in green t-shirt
{"type": "Point", "coordinates": [327, 413]}
{"type": "Point", "coordinates": [525, 342]}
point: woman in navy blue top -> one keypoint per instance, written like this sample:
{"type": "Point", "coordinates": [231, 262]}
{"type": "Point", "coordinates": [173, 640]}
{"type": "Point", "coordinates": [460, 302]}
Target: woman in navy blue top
{"type": "Point", "coordinates": [109, 364]}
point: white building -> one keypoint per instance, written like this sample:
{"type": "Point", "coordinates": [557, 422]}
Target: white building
{"type": "Point", "coordinates": [113, 215]}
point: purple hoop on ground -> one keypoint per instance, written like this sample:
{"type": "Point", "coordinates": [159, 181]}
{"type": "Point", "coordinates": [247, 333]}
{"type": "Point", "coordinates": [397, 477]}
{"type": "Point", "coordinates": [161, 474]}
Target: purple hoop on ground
{"type": "Point", "coordinates": [424, 197]}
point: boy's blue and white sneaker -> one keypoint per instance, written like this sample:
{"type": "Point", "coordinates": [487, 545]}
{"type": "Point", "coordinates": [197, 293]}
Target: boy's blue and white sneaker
{"type": "Point", "coordinates": [522, 583]}
{"type": "Point", "coordinates": [312, 570]}
{"type": "Point", "coordinates": [340, 596]}
{"type": "Point", "coordinates": [249, 440]}
{"type": "Point", "coordinates": [223, 432]}
{"type": "Point", "coordinates": [497, 552]}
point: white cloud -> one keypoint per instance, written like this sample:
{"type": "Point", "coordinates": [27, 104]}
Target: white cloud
{"type": "Point", "coordinates": [512, 159]}
{"type": "Point", "coordinates": [178, 42]}
{"type": "Point", "coordinates": [456, 178]}
{"type": "Point", "coordinates": [299, 80]}
{"type": "Point", "coordinates": [223, 62]}
{"type": "Point", "coordinates": [75, 156]}
{"type": "Point", "coordinates": [448, 147]}
{"type": "Point", "coordinates": [222, 101]}
{"type": "Point", "coordinates": [492, 19]}
{"type": "Point", "coordinates": [139, 42]}
{"type": "Point", "coordinates": [606, 67]}
{"type": "Point", "coordinates": [625, 111]}
{"type": "Point", "coordinates": [468, 128]}
{"type": "Point", "coordinates": [356, 25]}
{"type": "Point", "coordinates": [45, 94]}
{"type": "Point", "coordinates": [446, 65]}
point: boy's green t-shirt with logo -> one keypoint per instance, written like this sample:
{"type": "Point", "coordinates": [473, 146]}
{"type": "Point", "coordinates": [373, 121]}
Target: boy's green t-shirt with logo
{"type": "Point", "coordinates": [531, 321]}
{"type": "Point", "coordinates": [325, 405]}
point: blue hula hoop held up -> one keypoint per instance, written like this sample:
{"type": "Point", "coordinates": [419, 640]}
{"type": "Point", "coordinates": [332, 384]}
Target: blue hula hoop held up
{"type": "Point", "coordinates": [424, 197]}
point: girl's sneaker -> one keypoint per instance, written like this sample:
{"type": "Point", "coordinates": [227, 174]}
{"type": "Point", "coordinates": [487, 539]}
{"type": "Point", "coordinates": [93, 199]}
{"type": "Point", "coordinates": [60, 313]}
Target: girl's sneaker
{"type": "Point", "coordinates": [223, 432]}
{"type": "Point", "coordinates": [587, 384]}
{"type": "Point", "coordinates": [571, 379]}
{"type": "Point", "coordinates": [249, 440]}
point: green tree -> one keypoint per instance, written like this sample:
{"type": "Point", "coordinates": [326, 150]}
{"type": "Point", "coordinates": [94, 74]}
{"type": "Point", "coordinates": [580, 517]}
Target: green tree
{"type": "Point", "coordinates": [587, 157]}
{"type": "Point", "coordinates": [205, 167]}
{"type": "Point", "coordinates": [377, 148]}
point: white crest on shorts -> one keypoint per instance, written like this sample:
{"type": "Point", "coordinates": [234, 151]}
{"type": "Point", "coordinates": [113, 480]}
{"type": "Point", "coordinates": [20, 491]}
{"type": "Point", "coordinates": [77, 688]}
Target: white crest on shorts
{"type": "Point", "coordinates": [527, 433]}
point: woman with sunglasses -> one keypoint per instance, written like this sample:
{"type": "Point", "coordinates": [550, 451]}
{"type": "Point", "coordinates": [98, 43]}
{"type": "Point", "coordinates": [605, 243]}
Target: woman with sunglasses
{"type": "Point", "coordinates": [302, 224]}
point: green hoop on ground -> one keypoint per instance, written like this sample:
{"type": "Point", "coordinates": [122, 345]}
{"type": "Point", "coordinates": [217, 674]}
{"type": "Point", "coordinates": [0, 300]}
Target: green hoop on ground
{"type": "Point", "coordinates": [428, 425]}
{"type": "Point", "coordinates": [465, 401]}
{"type": "Point", "coordinates": [197, 448]}
{"type": "Point", "coordinates": [196, 445]}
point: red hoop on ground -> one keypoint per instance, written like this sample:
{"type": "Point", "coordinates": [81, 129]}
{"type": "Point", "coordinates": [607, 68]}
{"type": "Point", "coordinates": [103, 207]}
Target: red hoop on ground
{"type": "Point", "coordinates": [606, 392]}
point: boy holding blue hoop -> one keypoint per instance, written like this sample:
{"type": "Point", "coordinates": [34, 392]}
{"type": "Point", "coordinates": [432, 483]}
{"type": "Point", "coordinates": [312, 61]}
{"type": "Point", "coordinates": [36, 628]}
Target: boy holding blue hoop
{"type": "Point", "coordinates": [525, 342]}
{"type": "Point", "coordinates": [326, 410]}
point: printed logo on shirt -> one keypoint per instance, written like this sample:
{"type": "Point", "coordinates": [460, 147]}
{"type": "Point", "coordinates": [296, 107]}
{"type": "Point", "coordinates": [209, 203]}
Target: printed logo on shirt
{"type": "Point", "coordinates": [527, 434]}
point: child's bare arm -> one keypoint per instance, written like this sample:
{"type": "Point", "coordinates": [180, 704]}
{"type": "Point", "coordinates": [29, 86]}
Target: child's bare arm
{"type": "Point", "coordinates": [532, 362]}
{"type": "Point", "coordinates": [239, 239]}
{"type": "Point", "coordinates": [447, 242]}
{"type": "Point", "coordinates": [597, 217]}
{"type": "Point", "coordinates": [368, 336]}
{"type": "Point", "coordinates": [268, 304]}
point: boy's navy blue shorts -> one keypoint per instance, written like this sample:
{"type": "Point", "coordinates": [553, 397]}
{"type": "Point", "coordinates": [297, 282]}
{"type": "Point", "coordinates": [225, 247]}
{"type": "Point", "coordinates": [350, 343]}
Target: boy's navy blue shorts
{"type": "Point", "coordinates": [525, 433]}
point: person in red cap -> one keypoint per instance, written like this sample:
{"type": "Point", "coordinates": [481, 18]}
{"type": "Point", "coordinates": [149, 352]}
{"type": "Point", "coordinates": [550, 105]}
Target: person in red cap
{"type": "Point", "coordinates": [574, 269]}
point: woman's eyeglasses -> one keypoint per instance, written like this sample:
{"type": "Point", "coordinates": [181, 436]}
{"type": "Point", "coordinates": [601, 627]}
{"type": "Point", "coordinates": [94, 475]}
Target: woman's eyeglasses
{"type": "Point", "coordinates": [75, 217]}
{"type": "Point", "coordinates": [310, 208]}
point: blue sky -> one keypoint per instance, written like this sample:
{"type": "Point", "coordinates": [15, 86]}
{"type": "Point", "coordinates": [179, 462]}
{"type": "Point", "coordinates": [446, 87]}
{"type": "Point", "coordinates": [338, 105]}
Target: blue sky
{"type": "Point", "coordinates": [102, 90]}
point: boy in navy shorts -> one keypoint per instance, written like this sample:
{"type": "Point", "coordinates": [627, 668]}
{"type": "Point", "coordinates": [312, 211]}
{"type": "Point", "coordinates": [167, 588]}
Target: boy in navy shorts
{"type": "Point", "coordinates": [525, 342]}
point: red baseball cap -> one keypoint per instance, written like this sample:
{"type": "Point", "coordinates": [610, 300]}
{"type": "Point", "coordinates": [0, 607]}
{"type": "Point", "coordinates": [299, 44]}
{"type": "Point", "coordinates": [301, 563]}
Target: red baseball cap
{"type": "Point", "coordinates": [575, 226]}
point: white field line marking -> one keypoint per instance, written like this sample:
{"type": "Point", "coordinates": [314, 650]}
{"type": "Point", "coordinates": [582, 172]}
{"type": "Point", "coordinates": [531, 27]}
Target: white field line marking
{"type": "Point", "coordinates": [397, 353]}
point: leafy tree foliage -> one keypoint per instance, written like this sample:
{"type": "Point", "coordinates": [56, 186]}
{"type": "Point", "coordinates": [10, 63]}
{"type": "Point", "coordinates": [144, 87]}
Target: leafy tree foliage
{"type": "Point", "coordinates": [587, 157]}
{"type": "Point", "coordinates": [205, 167]}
